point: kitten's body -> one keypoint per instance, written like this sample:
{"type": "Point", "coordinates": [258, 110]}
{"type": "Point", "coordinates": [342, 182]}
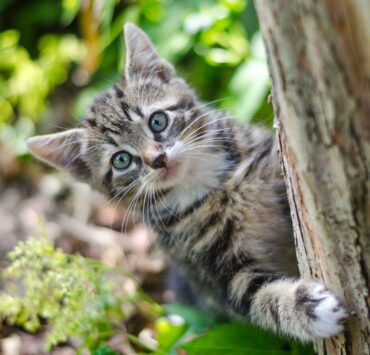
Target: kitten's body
{"type": "Point", "coordinates": [242, 223]}
{"type": "Point", "coordinates": [211, 188]}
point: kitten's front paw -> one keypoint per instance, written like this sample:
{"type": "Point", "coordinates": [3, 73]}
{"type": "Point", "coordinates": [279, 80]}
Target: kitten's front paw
{"type": "Point", "coordinates": [323, 309]}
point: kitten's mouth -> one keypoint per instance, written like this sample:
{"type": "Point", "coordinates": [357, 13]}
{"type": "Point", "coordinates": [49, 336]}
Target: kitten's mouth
{"type": "Point", "coordinates": [170, 171]}
{"type": "Point", "coordinates": [167, 176]}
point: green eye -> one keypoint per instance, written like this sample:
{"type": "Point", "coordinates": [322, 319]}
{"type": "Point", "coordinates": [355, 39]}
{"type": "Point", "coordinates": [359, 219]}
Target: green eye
{"type": "Point", "coordinates": [121, 160]}
{"type": "Point", "coordinates": [158, 122]}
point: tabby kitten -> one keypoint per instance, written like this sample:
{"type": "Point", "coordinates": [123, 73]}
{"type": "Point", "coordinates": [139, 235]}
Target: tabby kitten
{"type": "Point", "coordinates": [210, 188]}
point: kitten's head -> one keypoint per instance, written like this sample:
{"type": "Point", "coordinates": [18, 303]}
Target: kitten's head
{"type": "Point", "coordinates": [148, 133]}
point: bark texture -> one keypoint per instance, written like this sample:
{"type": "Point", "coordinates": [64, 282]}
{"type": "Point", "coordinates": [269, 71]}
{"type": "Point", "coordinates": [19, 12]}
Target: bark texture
{"type": "Point", "coordinates": [319, 60]}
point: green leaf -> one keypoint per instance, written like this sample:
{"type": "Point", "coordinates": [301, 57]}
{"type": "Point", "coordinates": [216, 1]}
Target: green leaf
{"type": "Point", "coordinates": [198, 321]}
{"type": "Point", "coordinates": [169, 331]}
{"type": "Point", "coordinates": [104, 350]}
{"type": "Point", "coordinates": [250, 82]}
{"type": "Point", "coordinates": [235, 339]}
{"type": "Point", "coordinates": [70, 10]}
{"type": "Point", "coordinates": [301, 349]}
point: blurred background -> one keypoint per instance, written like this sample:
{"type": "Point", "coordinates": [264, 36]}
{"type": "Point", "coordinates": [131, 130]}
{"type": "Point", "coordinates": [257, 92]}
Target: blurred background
{"type": "Point", "coordinates": [55, 56]}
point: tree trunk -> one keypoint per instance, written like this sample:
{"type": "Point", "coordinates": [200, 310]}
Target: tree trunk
{"type": "Point", "coordinates": [319, 61]}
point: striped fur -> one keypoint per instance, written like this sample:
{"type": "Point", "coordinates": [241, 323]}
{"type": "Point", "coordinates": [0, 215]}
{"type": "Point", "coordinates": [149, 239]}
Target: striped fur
{"type": "Point", "coordinates": [223, 216]}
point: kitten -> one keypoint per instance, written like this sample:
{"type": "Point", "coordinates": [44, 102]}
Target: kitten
{"type": "Point", "coordinates": [210, 188]}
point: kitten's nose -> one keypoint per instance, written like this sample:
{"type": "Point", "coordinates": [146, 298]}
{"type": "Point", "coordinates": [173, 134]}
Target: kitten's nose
{"type": "Point", "coordinates": [160, 161]}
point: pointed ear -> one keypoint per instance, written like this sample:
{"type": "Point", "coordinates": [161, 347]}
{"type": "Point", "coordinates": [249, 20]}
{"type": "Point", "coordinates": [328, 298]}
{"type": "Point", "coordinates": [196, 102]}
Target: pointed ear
{"type": "Point", "coordinates": [141, 58]}
{"type": "Point", "coordinates": [62, 150]}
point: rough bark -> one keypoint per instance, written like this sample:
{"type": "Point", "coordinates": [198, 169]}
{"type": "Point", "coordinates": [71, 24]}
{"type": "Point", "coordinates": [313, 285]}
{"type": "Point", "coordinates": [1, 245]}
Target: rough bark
{"type": "Point", "coordinates": [319, 61]}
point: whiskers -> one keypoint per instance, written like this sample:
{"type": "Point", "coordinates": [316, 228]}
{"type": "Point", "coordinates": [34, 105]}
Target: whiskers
{"type": "Point", "coordinates": [207, 141]}
{"type": "Point", "coordinates": [146, 198]}
{"type": "Point", "coordinates": [150, 211]}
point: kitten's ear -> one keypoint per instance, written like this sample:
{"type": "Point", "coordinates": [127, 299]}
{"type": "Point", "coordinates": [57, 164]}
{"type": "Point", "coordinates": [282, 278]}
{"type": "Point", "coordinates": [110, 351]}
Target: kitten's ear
{"type": "Point", "coordinates": [62, 150]}
{"type": "Point", "coordinates": [141, 57]}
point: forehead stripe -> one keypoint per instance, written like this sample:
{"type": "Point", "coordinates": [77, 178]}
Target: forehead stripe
{"type": "Point", "coordinates": [111, 141]}
{"type": "Point", "coordinates": [119, 92]}
{"type": "Point", "coordinates": [138, 111]}
{"type": "Point", "coordinates": [104, 128]}
{"type": "Point", "coordinates": [125, 108]}
{"type": "Point", "coordinates": [183, 104]}
{"type": "Point", "coordinates": [90, 122]}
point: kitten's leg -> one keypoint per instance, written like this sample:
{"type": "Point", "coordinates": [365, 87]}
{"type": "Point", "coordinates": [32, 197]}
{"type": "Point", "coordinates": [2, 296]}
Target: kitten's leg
{"type": "Point", "coordinates": [303, 309]}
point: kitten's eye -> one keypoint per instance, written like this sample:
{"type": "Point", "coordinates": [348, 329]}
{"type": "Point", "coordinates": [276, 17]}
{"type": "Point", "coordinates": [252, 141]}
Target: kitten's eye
{"type": "Point", "coordinates": [121, 160]}
{"type": "Point", "coordinates": [158, 122]}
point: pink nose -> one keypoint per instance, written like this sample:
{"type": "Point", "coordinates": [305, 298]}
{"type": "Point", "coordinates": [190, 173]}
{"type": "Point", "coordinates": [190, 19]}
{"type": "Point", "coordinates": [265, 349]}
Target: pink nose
{"type": "Point", "coordinates": [160, 161]}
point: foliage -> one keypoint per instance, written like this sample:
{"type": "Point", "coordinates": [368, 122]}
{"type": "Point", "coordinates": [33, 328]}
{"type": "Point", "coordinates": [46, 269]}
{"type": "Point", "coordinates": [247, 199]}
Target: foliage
{"type": "Point", "coordinates": [29, 81]}
{"type": "Point", "coordinates": [204, 334]}
{"type": "Point", "coordinates": [76, 296]}
{"type": "Point", "coordinates": [44, 46]}
{"type": "Point", "coordinates": [84, 299]}
{"type": "Point", "coordinates": [240, 338]}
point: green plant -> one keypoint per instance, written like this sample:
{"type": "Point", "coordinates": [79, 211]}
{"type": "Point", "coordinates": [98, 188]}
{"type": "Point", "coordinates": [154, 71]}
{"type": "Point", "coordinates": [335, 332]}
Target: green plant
{"type": "Point", "coordinates": [76, 296]}
{"type": "Point", "coordinates": [28, 81]}
{"type": "Point", "coordinates": [200, 333]}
